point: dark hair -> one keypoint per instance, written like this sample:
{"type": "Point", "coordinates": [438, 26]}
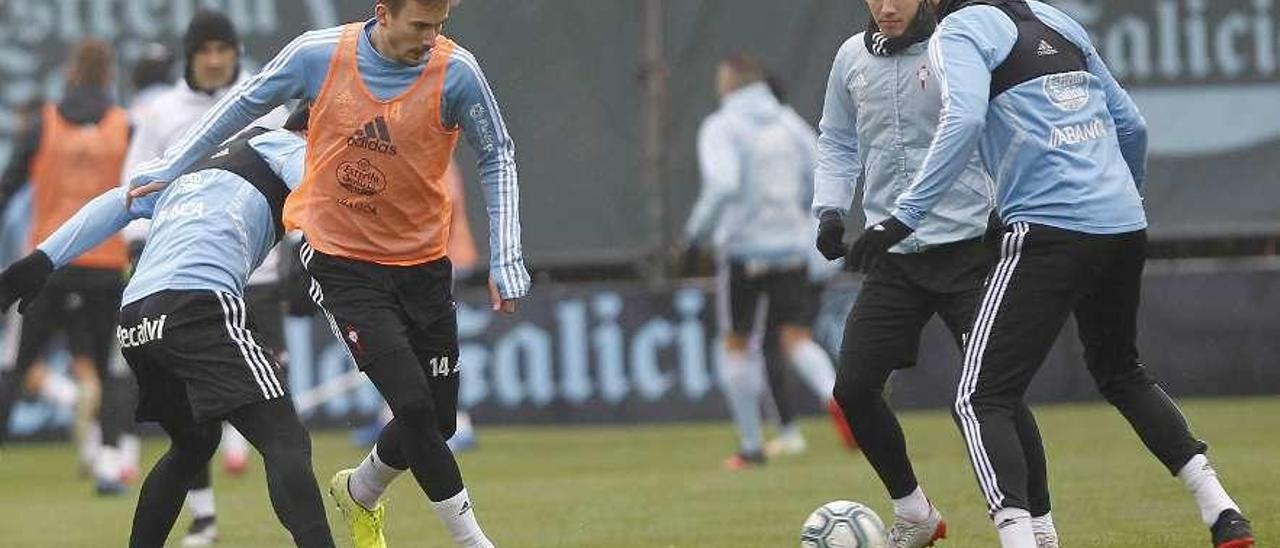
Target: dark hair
{"type": "Point", "coordinates": [394, 6]}
{"type": "Point", "coordinates": [154, 66]}
{"type": "Point", "coordinates": [776, 87]}
{"type": "Point", "coordinates": [90, 64]}
{"type": "Point", "coordinates": [746, 68]}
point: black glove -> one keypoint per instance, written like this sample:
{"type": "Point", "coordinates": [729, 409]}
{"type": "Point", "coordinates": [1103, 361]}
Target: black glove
{"type": "Point", "coordinates": [831, 235]}
{"type": "Point", "coordinates": [24, 279]}
{"type": "Point", "coordinates": [875, 242]}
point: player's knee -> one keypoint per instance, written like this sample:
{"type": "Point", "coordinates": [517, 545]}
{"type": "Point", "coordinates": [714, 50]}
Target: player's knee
{"type": "Point", "coordinates": [859, 379]}
{"type": "Point", "coordinates": [197, 444]}
{"type": "Point", "coordinates": [1117, 385]}
{"type": "Point", "coordinates": [418, 417]}
{"type": "Point", "coordinates": [735, 342]}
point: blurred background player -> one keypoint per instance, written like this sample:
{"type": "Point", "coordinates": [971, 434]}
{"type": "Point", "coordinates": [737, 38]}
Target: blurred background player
{"type": "Point", "coordinates": [789, 439]}
{"type": "Point", "coordinates": [152, 76]}
{"type": "Point", "coordinates": [1024, 86]}
{"type": "Point", "coordinates": [212, 66]}
{"type": "Point", "coordinates": [184, 326]}
{"type": "Point", "coordinates": [391, 97]}
{"type": "Point", "coordinates": [756, 158]}
{"type": "Point", "coordinates": [939, 271]}
{"type": "Point", "coordinates": [72, 153]}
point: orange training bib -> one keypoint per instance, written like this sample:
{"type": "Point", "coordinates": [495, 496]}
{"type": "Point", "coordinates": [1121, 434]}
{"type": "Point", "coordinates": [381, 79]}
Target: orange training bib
{"type": "Point", "coordinates": [73, 166]}
{"type": "Point", "coordinates": [374, 188]}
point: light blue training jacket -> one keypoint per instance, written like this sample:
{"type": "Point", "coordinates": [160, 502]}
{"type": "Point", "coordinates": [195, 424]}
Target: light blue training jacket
{"type": "Point", "coordinates": [1066, 150]}
{"type": "Point", "coordinates": [210, 229]}
{"type": "Point", "coordinates": [878, 120]}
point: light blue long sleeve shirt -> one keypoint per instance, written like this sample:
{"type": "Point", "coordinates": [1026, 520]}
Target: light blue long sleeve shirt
{"type": "Point", "coordinates": [878, 119]}
{"type": "Point", "coordinates": [210, 229]}
{"type": "Point", "coordinates": [298, 72]}
{"type": "Point", "coordinates": [756, 159]}
{"type": "Point", "coordinates": [1066, 150]}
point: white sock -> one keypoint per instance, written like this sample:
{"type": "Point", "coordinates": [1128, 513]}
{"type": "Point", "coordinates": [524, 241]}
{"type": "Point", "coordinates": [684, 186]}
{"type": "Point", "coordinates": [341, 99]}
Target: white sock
{"type": "Point", "coordinates": [1014, 527]}
{"type": "Point", "coordinates": [200, 501]}
{"type": "Point", "coordinates": [130, 450]}
{"type": "Point", "coordinates": [913, 508]}
{"type": "Point", "coordinates": [464, 425]}
{"type": "Point", "coordinates": [106, 464]}
{"type": "Point", "coordinates": [60, 390]}
{"type": "Point", "coordinates": [233, 443]}
{"type": "Point", "coordinates": [742, 381]}
{"type": "Point", "coordinates": [1043, 525]}
{"type": "Point", "coordinates": [460, 518]}
{"type": "Point", "coordinates": [370, 480]}
{"type": "Point", "coordinates": [1201, 479]}
{"type": "Point", "coordinates": [90, 443]}
{"type": "Point", "coordinates": [814, 366]}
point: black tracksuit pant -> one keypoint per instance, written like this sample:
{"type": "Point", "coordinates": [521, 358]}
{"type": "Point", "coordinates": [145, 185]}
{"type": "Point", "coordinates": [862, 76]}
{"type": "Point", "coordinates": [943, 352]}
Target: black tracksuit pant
{"type": "Point", "coordinates": [1044, 275]}
{"type": "Point", "coordinates": [882, 334]}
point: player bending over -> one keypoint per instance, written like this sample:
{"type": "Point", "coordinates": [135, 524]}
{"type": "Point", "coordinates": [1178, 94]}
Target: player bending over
{"type": "Point", "coordinates": [183, 327]}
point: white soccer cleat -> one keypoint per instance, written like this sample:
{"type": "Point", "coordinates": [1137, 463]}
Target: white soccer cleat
{"type": "Point", "coordinates": [792, 443]}
{"type": "Point", "coordinates": [203, 532]}
{"type": "Point", "coordinates": [911, 534]}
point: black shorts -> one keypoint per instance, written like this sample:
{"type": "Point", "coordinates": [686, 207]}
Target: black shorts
{"type": "Point", "coordinates": [377, 309]}
{"type": "Point", "coordinates": [786, 290]}
{"type": "Point", "coordinates": [82, 304]}
{"type": "Point", "coordinates": [196, 353]}
{"type": "Point", "coordinates": [266, 307]}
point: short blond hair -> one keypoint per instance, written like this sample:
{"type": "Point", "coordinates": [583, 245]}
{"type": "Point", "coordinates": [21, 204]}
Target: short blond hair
{"type": "Point", "coordinates": [394, 6]}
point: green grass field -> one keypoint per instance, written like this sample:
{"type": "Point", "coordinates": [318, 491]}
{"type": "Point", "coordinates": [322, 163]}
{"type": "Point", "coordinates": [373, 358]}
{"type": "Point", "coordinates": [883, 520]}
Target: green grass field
{"type": "Point", "coordinates": [660, 486]}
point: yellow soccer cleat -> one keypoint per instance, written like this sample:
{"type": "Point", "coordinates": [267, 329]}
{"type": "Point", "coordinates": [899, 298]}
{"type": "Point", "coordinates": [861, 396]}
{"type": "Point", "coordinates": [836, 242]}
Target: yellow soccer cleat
{"type": "Point", "coordinates": [364, 525]}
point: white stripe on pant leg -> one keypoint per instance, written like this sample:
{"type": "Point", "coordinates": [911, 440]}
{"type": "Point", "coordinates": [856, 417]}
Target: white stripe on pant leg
{"type": "Point", "coordinates": [255, 349]}
{"type": "Point", "coordinates": [251, 347]}
{"type": "Point", "coordinates": [973, 362]}
{"type": "Point", "coordinates": [984, 474]}
{"type": "Point", "coordinates": [980, 329]}
{"type": "Point", "coordinates": [974, 353]}
{"type": "Point", "coordinates": [317, 295]}
{"type": "Point", "coordinates": [226, 319]}
{"type": "Point", "coordinates": [246, 343]}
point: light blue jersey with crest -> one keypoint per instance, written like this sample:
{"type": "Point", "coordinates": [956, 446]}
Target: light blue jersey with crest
{"type": "Point", "coordinates": [210, 229]}
{"type": "Point", "coordinates": [1066, 150]}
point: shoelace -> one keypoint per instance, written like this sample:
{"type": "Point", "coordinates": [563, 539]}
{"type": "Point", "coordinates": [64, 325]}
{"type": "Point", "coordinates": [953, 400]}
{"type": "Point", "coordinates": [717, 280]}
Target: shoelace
{"type": "Point", "coordinates": [901, 533]}
{"type": "Point", "coordinates": [1045, 540]}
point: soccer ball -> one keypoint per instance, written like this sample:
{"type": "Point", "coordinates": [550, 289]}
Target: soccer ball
{"type": "Point", "coordinates": [843, 524]}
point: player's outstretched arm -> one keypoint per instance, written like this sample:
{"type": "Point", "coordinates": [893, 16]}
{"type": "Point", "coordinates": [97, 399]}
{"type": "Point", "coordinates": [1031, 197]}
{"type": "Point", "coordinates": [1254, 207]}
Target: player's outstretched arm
{"type": "Point", "coordinates": [473, 107]}
{"type": "Point", "coordinates": [964, 73]}
{"type": "Point", "coordinates": [89, 227]}
{"type": "Point", "coordinates": [284, 78]}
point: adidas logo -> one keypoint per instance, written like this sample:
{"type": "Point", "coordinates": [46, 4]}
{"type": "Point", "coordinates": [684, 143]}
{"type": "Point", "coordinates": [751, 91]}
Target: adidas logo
{"type": "Point", "coordinates": [1045, 49]}
{"type": "Point", "coordinates": [466, 507]}
{"type": "Point", "coordinates": [221, 153]}
{"type": "Point", "coordinates": [374, 136]}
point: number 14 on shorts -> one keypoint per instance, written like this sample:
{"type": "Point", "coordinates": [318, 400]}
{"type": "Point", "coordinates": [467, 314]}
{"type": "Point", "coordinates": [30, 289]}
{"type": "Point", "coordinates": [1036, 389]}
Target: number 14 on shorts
{"type": "Point", "coordinates": [443, 366]}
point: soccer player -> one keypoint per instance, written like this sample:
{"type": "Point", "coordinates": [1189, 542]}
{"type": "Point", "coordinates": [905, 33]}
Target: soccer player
{"type": "Point", "coordinates": [184, 329]}
{"type": "Point", "coordinates": [756, 158]}
{"type": "Point", "coordinates": [1024, 86]}
{"type": "Point", "coordinates": [391, 97]}
{"type": "Point", "coordinates": [73, 153]}
{"type": "Point", "coordinates": [212, 68]}
{"type": "Point", "coordinates": [880, 112]}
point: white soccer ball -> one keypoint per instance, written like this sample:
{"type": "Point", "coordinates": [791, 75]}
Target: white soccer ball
{"type": "Point", "coordinates": [843, 524]}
